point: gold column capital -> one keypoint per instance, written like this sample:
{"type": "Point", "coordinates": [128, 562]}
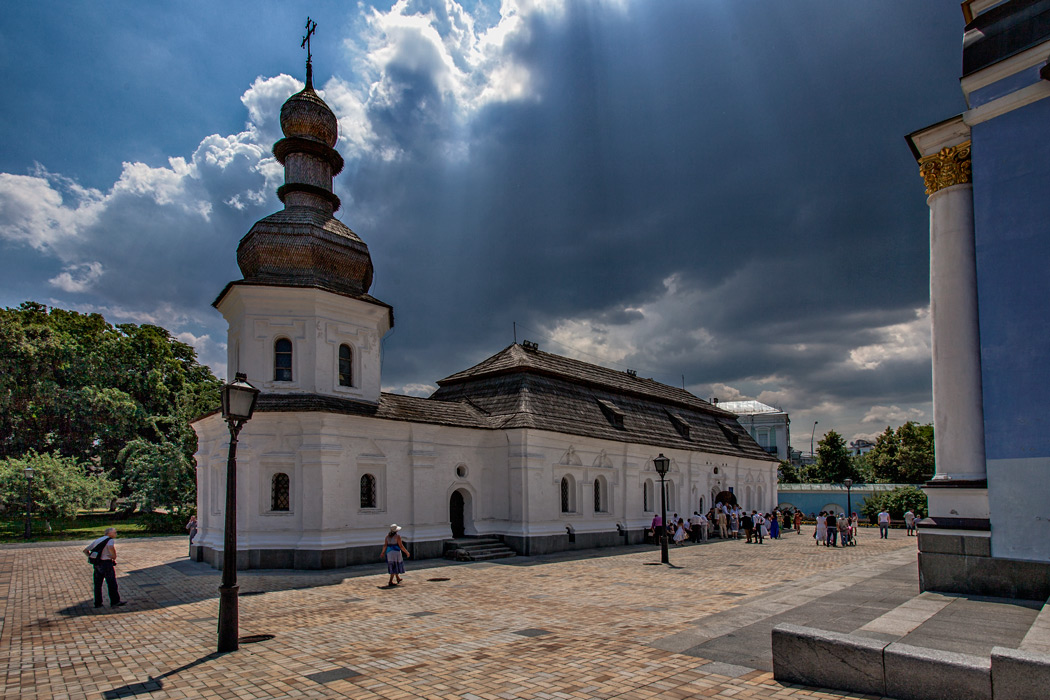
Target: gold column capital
{"type": "Point", "coordinates": [948, 166]}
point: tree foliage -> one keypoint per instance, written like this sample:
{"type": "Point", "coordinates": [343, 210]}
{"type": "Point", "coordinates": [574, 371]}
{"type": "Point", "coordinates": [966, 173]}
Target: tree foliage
{"type": "Point", "coordinates": [833, 461]}
{"type": "Point", "coordinates": [904, 455]}
{"type": "Point", "coordinates": [788, 473]}
{"type": "Point", "coordinates": [896, 502]}
{"type": "Point", "coordinates": [61, 487]}
{"type": "Point", "coordinates": [74, 385]}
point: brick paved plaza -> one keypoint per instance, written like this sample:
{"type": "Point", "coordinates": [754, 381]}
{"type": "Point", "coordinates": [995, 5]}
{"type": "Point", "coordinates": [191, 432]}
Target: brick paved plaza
{"type": "Point", "coordinates": [587, 626]}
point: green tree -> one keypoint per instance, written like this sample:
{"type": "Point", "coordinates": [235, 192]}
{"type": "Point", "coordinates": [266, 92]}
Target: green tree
{"type": "Point", "coordinates": [904, 455]}
{"type": "Point", "coordinates": [61, 487]}
{"type": "Point", "coordinates": [833, 461]}
{"type": "Point", "coordinates": [788, 473]}
{"type": "Point", "coordinates": [896, 502]}
{"type": "Point", "coordinates": [863, 469]}
{"type": "Point", "coordinates": [75, 385]}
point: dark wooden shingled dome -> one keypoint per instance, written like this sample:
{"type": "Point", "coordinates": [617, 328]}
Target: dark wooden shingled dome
{"type": "Point", "coordinates": [304, 245]}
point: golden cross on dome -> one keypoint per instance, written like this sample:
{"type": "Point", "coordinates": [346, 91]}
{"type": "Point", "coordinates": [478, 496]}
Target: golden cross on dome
{"type": "Point", "coordinates": [311, 27]}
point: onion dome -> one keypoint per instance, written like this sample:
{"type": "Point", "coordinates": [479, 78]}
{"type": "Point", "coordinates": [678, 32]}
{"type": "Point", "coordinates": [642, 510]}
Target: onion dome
{"type": "Point", "coordinates": [305, 115]}
{"type": "Point", "coordinates": [304, 245]}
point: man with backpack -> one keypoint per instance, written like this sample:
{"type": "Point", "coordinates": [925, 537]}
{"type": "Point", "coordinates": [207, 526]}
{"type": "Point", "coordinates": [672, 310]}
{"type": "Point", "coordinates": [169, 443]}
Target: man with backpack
{"type": "Point", "coordinates": [102, 554]}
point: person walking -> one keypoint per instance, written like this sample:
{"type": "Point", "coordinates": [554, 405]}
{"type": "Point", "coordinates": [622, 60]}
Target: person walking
{"type": "Point", "coordinates": [759, 521]}
{"type": "Point", "coordinates": [749, 527]}
{"type": "Point", "coordinates": [704, 525]}
{"type": "Point", "coordinates": [723, 531]}
{"type": "Point", "coordinates": [909, 523]}
{"type": "Point", "coordinates": [821, 533]}
{"type": "Point", "coordinates": [774, 527]}
{"type": "Point", "coordinates": [679, 534]}
{"type": "Point", "coordinates": [833, 529]}
{"type": "Point", "coordinates": [657, 527]}
{"type": "Point", "coordinates": [394, 552]}
{"type": "Point", "coordinates": [191, 527]}
{"type": "Point", "coordinates": [798, 522]}
{"type": "Point", "coordinates": [843, 525]}
{"type": "Point", "coordinates": [884, 525]}
{"type": "Point", "coordinates": [102, 553]}
{"type": "Point", "coordinates": [734, 524]}
{"type": "Point", "coordinates": [694, 527]}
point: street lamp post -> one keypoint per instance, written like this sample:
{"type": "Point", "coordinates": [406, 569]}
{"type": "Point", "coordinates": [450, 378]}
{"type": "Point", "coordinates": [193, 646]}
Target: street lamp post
{"type": "Point", "coordinates": [811, 434]}
{"type": "Point", "coordinates": [849, 503]}
{"type": "Point", "coordinates": [29, 502]}
{"type": "Point", "coordinates": [238, 404]}
{"type": "Point", "coordinates": [662, 464]}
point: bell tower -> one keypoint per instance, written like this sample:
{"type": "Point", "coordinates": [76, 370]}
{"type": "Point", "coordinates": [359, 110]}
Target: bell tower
{"type": "Point", "coordinates": [301, 321]}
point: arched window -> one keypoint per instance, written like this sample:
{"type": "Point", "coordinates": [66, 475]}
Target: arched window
{"type": "Point", "coordinates": [647, 496]}
{"type": "Point", "coordinates": [346, 372]}
{"type": "Point", "coordinates": [279, 500]}
{"type": "Point", "coordinates": [568, 494]}
{"type": "Point", "coordinates": [600, 497]}
{"type": "Point", "coordinates": [670, 497]}
{"type": "Point", "coordinates": [282, 360]}
{"type": "Point", "coordinates": [368, 491]}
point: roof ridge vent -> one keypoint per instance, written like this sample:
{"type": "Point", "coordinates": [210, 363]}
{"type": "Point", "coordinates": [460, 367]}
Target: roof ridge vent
{"type": "Point", "coordinates": [529, 345]}
{"type": "Point", "coordinates": [632, 373]}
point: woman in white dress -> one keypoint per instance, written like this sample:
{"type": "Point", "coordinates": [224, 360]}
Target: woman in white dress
{"type": "Point", "coordinates": [821, 535]}
{"type": "Point", "coordinates": [679, 533]}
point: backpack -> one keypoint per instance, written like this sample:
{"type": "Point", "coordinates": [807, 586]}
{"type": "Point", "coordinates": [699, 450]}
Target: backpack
{"type": "Point", "coordinates": [95, 555]}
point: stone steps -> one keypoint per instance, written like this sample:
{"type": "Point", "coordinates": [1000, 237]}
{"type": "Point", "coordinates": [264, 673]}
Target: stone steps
{"type": "Point", "coordinates": [477, 549]}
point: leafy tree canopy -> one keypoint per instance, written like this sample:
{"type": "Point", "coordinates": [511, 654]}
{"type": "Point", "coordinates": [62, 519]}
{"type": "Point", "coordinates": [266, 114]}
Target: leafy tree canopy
{"type": "Point", "coordinates": [896, 502]}
{"type": "Point", "coordinates": [61, 487]}
{"type": "Point", "coordinates": [73, 385]}
{"type": "Point", "coordinates": [904, 455]}
{"type": "Point", "coordinates": [833, 461]}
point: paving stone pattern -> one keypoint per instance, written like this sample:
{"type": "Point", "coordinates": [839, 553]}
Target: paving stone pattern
{"type": "Point", "coordinates": [484, 633]}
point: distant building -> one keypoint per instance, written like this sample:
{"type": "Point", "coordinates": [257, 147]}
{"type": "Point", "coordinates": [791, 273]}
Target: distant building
{"type": "Point", "coordinates": [987, 183]}
{"type": "Point", "coordinates": [860, 446]}
{"type": "Point", "coordinates": [768, 425]}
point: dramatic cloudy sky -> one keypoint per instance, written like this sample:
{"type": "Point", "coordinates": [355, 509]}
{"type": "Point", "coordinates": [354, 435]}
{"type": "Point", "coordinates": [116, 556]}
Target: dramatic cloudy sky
{"type": "Point", "coordinates": [718, 190]}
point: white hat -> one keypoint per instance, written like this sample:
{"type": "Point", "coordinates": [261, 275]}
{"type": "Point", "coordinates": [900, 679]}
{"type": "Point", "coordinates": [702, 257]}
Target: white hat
{"type": "Point", "coordinates": [395, 527]}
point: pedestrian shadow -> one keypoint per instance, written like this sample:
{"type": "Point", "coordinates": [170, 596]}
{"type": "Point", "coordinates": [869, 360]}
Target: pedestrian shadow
{"type": "Point", "coordinates": [155, 683]}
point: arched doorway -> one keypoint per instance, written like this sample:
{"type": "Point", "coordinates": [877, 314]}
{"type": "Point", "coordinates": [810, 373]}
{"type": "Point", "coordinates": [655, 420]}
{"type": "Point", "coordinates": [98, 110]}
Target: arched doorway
{"type": "Point", "coordinates": [460, 513]}
{"type": "Point", "coordinates": [455, 513]}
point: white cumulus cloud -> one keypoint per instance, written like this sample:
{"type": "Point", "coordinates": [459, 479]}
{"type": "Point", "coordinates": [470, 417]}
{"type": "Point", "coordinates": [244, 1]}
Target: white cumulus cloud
{"type": "Point", "coordinates": [78, 277]}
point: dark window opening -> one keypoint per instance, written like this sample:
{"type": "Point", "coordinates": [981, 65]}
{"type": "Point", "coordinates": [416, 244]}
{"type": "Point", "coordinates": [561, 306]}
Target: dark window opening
{"type": "Point", "coordinates": [368, 491]}
{"type": "Point", "coordinates": [282, 360]}
{"type": "Point", "coordinates": [279, 487]}
{"type": "Point", "coordinates": [346, 376]}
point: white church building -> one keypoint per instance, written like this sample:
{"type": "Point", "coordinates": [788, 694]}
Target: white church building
{"type": "Point", "coordinates": [543, 452]}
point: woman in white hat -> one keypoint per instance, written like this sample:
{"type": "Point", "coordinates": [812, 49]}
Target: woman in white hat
{"type": "Point", "coordinates": [393, 549]}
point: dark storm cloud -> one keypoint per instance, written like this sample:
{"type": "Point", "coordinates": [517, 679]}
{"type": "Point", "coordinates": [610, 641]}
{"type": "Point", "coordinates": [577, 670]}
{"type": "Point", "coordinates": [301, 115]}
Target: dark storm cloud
{"type": "Point", "coordinates": [719, 190]}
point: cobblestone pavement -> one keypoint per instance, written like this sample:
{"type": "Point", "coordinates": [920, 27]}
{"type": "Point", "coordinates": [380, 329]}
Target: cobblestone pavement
{"type": "Point", "coordinates": [579, 626]}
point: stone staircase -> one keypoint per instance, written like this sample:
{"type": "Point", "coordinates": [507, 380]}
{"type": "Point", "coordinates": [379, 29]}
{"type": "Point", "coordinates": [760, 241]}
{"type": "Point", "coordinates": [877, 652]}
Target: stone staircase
{"type": "Point", "coordinates": [477, 549]}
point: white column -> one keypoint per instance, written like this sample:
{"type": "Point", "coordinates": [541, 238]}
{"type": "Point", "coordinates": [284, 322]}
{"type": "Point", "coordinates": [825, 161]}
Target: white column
{"type": "Point", "coordinates": [957, 396]}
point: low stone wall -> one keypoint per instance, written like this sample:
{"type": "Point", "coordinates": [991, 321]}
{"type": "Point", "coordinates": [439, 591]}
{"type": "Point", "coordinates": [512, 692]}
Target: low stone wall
{"type": "Point", "coordinates": [808, 656]}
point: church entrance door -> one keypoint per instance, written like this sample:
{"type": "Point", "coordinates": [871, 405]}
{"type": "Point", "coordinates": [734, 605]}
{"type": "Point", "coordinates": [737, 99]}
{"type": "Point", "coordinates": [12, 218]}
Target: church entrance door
{"type": "Point", "coordinates": [455, 513]}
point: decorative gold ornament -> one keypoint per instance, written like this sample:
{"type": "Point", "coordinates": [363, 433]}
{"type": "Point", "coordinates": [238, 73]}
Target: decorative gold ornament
{"type": "Point", "coordinates": [949, 166]}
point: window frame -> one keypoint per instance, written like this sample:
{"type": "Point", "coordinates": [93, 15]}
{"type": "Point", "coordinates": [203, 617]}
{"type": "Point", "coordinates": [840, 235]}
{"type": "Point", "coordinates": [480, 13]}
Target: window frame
{"type": "Point", "coordinates": [349, 364]}
{"type": "Point", "coordinates": [277, 369]}
{"type": "Point", "coordinates": [275, 495]}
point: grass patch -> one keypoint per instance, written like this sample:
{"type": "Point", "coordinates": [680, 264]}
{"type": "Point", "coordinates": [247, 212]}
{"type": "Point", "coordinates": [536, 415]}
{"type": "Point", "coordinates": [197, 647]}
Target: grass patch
{"type": "Point", "coordinates": [89, 525]}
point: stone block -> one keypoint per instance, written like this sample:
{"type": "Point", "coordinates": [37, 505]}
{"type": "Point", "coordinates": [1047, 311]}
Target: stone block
{"type": "Point", "coordinates": [940, 544]}
{"type": "Point", "coordinates": [919, 673]}
{"type": "Point", "coordinates": [1019, 675]}
{"type": "Point", "coordinates": [813, 657]}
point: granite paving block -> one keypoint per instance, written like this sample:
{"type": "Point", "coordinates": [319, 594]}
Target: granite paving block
{"type": "Point", "coordinates": [921, 673]}
{"type": "Point", "coordinates": [815, 657]}
{"type": "Point", "coordinates": [1019, 675]}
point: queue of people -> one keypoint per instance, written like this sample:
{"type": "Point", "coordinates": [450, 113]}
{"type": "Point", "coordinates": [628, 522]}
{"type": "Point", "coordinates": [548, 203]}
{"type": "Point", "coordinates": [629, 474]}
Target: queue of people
{"type": "Point", "coordinates": [726, 522]}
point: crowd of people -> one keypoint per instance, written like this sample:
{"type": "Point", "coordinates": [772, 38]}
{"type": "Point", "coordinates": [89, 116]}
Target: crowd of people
{"type": "Point", "coordinates": [726, 522]}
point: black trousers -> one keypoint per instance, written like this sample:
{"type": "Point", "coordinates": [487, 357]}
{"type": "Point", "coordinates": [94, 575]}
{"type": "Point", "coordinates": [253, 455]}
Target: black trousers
{"type": "Point", "coordinates": [106, 571]}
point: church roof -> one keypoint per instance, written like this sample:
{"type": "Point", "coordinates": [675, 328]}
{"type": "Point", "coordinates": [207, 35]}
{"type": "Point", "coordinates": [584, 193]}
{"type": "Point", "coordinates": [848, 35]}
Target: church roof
{"type": "Point", "coordinates": [520, 388]}
{"type": "Point", "coordinates": [516, 358]}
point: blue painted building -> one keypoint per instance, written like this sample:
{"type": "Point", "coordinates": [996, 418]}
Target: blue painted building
{"type": "Point", "coordinates": [987, 174]}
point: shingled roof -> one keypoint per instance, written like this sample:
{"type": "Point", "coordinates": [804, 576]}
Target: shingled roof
{"type": "Point", "coordinates": [520, 388]}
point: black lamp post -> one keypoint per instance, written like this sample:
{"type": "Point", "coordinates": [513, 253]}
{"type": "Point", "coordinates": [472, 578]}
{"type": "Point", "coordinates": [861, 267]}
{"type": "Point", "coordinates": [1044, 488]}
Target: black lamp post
{"type": "Point", "coordinates": [662, 464]}
{"type": "Point", "coordinates": [29, 502]}
{"type": "Point", "coordinates": [849, 503]}
{"type": "Point", "coordinates": [238, 404]}
{"type": "Point", "coordinates": [812, 433]}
